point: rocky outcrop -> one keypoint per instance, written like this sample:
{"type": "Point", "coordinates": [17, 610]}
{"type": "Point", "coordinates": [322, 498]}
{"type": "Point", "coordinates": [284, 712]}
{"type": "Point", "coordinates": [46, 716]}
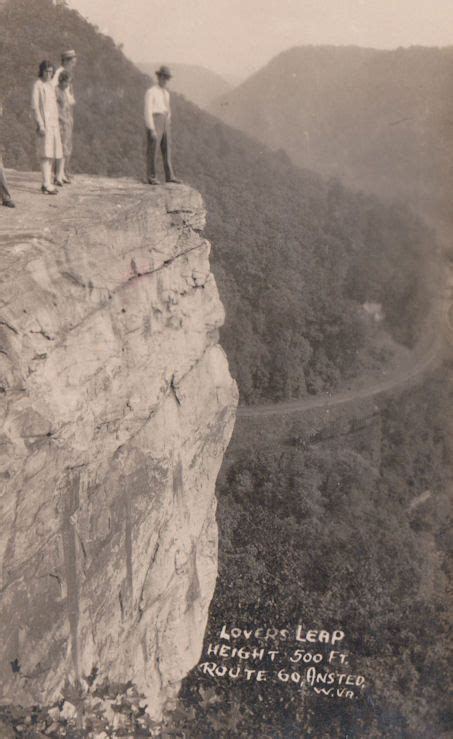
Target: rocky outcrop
{"type": "Point", "coordinates": [116, 406]}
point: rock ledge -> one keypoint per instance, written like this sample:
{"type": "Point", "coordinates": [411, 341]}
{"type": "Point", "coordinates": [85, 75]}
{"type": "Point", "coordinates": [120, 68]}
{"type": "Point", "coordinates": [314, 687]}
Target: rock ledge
{"type": "Point", "coordinates": [116, 405]}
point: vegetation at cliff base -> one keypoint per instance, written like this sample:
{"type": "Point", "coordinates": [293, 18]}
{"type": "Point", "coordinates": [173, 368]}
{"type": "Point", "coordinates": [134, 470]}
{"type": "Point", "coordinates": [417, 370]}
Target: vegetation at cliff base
{"type": "Point", "coordinates": [345, 527]}
{"type": "Point", "coordinates": [295, 257]}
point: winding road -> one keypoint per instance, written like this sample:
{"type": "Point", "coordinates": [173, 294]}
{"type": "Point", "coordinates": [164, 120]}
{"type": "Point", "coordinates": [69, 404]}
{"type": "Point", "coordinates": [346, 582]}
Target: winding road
{"type": "Point", "coordinates": [390, 382]}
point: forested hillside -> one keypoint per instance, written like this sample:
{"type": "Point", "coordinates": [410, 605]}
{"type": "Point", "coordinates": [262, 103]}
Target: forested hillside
{"type": "Point", "coordinates": [295, 257]}
{"type": "Point", "coordinates": [345, 528]}
{"type": "Point", "coordinates": [380, 119]}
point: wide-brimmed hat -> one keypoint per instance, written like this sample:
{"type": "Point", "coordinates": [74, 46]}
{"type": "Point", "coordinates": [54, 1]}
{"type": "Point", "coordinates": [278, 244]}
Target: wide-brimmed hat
{"type": "Point", "coordinates": [164, 71]}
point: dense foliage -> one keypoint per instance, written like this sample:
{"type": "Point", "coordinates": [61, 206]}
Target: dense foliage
{"type": "Point", "coordinates": [344, 528]}
{"type": "Point", "coordinates": [380, 119]}
{"type": "Point", "coordinates": [294, 257]}
{"type": "Point", "coordinates": [341, 525]}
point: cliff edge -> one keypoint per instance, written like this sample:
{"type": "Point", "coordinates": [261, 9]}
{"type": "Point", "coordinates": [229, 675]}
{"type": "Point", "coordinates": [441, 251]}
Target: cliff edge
{"type": "Point", "coordinates": [116, 407]}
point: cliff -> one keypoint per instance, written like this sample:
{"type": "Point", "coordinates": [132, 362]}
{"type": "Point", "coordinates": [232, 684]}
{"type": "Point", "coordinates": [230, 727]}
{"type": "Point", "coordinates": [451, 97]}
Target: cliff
{"type": "Point", "coordinates": [116, 406]}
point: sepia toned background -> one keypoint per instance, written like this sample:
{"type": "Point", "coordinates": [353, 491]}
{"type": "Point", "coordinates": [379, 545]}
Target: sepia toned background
{"type": "Point", "coordinates": [320, 136]}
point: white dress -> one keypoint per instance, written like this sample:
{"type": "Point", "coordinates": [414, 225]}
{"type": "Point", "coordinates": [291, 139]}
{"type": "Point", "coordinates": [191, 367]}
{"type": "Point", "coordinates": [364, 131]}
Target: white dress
{"type": "Point", "coordinates": [45, 111]}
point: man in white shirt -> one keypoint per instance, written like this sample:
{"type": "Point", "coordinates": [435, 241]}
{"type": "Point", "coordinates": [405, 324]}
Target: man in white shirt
{"type": "Point", "coordinates": [157, 121]}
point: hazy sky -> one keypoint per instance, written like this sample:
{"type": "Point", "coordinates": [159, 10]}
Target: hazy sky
{"type": "Point", "coordinates": [239, 36]}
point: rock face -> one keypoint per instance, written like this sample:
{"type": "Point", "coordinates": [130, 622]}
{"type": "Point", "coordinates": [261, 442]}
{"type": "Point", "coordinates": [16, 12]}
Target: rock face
{"type": "Point", "coordinates": [116, 405]}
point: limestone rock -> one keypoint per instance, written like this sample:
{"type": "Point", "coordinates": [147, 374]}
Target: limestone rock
{"type": "Point", "coordinates": [116, 406]}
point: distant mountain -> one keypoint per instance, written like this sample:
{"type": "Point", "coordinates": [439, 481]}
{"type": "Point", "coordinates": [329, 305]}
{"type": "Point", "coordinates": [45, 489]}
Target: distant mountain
{"type": "Point", "coordinates": [382, 120]}
{"type": "Point", "coordinates": [198, 84]}
{"type": "Point", "coordinates": [295, 257]}
{"type": "Point", "coordinates": [233, 79]}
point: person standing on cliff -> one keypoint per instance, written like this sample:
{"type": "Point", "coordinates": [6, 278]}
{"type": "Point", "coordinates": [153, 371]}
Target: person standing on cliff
{"type": "Point", "coordinates": [68, 63]}
{"type": "Point", "coordinates": [66, 122]}
{"type": "Point", "coordinates": [158, 133]}
{"type": "Point", "coordinates": [45, 112]}
{"type": "Point", "coordinates": [7, 200]}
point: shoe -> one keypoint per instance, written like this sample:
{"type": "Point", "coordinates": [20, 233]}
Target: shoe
{"type": "Point", "coordinates": [9, 203]}
{"type": "Point", "coordinates": [175, 181]}
{"type": "Point", "coordinates": [67, 181]}
{"type": "Point", "coordinates": [153, 181]}
{"type": "Point", "coordinates": [48, 191]}
{"type": "Point", "coordinates": [58, 182]}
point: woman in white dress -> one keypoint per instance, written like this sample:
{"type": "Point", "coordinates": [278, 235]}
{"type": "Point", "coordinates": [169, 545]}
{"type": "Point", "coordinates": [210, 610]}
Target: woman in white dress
{"type": "Point", "coordinates": [45, 112]}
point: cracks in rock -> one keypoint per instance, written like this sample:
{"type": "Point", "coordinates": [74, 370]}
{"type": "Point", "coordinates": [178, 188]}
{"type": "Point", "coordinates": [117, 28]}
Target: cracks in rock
{"type": "Point", "coordinates": [146, 420]}
{"type": "Point", "coordinates": [42, 332]}
{"type": "Point", "coordinates": [84, 551]}
{"type": "Point", "coordinates": [106, 424]}
{"type": "Point", "coordinates": [9, 551]}
{"type": "Point", "coordinates": [92, 631]}
{"type": "Point", "coordinates": [6, 236]}
{"type": "Point", "coordinates": [157, 660]}
{"type": "Point", "coordinates": [79, 282]}
{"type": "Point", "coordinates": [162, 266]}
{"type": "Point", "coordinates": [174, 390]}
{"type": "Point", "coordinates": [58, 579]}
{"type": "Point", "coordinates": [103, 304]}
{"type": "Point", "coordinates": [171, 389]}
{"type": "Point", "coordinates": [11, 328]}
{"type": "Point", "coordinates": [70, 502]}
{"type": "Point", "coordinates": [180, 210]}
{"type": "Point", "coordinates": [175, 385]}
{"type": "Point", "coordinates": [36, 672]}
{"type": "Point", "coordinates": [48, 434]}
{"type": "Point", "coordinates": [140, 608]}
{"type": "Point", "coordinates": [133, 331]}
{"type": "Point", "coordinates": [19, 567]}
{"type": "Point", "coordinates": [79, 466]}
{"type": "Point", "coordinates": [72, 278]}
{"type": "Point", "coordinates": [117, 452]}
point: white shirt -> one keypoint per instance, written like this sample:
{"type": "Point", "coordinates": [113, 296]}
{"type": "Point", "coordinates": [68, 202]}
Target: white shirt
{"type": "Point", "coordinates": [157, 100]}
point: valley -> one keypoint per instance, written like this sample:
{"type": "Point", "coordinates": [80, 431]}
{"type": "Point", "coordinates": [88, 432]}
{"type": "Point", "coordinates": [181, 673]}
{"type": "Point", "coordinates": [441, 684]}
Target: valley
{"type": "Point", "coordinates": [326, 183]}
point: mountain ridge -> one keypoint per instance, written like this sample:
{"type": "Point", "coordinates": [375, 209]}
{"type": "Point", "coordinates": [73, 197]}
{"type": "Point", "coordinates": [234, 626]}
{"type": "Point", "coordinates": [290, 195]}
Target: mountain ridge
{"type": "Point", "coordinates": [376, 118]}
{"type": "Point", "coordinates": [280, 233]}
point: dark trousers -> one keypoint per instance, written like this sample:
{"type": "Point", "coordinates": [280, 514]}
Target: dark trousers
{"type": "Point", "coordinates": [162, 141]}
{"type": "Point", "coordinates": [4, 192]}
